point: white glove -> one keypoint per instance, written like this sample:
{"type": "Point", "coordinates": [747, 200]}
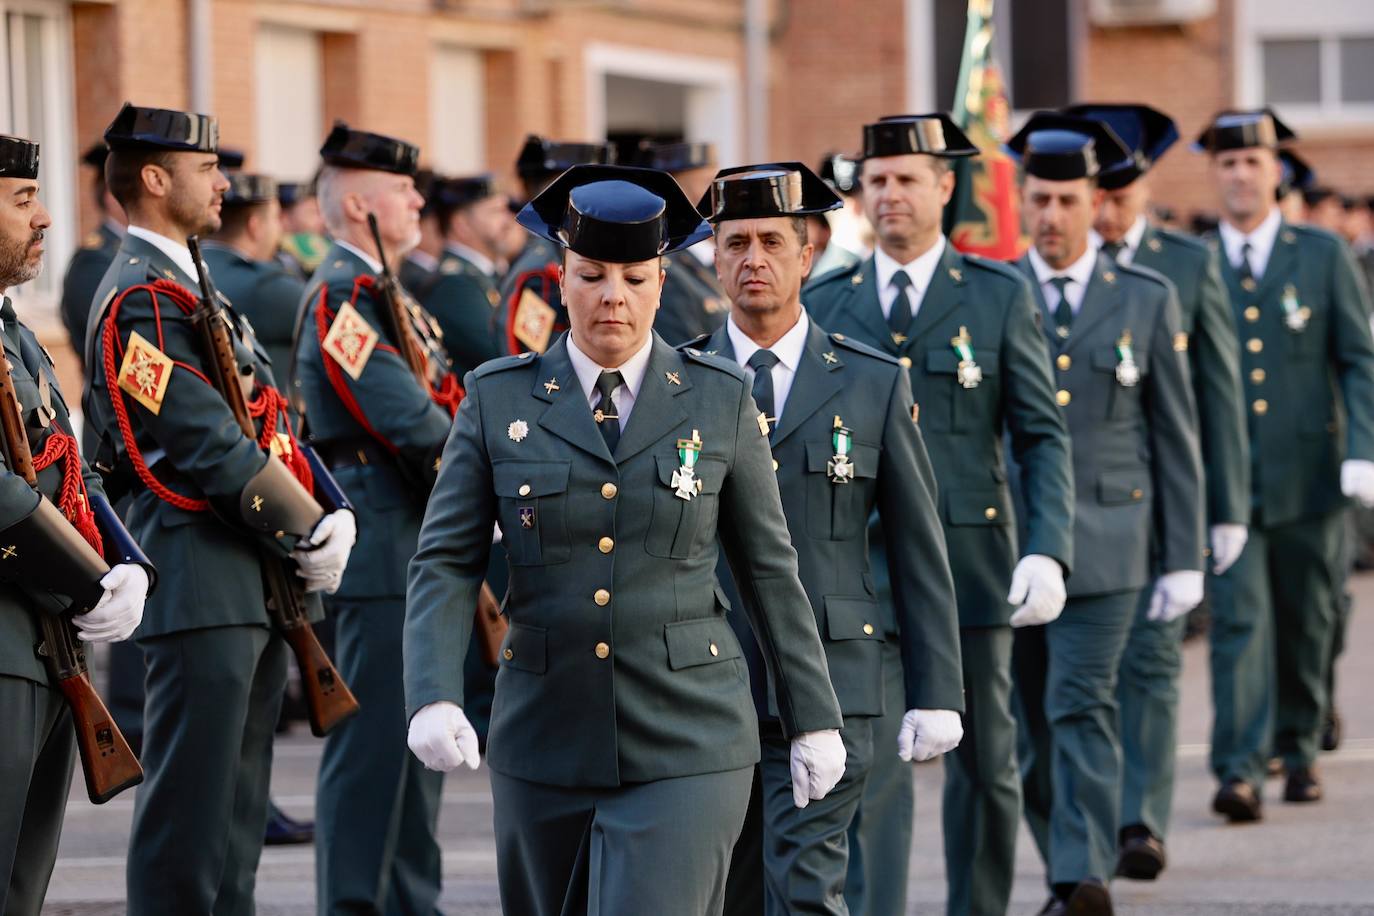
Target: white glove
{"type": "Point", "coordinates": [1357, 481]}
{"type": "Point", "coordinates": [120, 609]}
{"type": "Point", "coordinates": [323, 556]}
{"type": "Point", "coordinates": [817, 765]}
{"type": "Point", "coordinates": [1037, 584]}
{"type": "Point", "coordinates": [442, 738]}
{"type": "Point", "coordinates": [927, 733]}
{"type": "Point", "coordinates": [1228, 541]}
{"type": "Point", "coordinates": [1176, 593]}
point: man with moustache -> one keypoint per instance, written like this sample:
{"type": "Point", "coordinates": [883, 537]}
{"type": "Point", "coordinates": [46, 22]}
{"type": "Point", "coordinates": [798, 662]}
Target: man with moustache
{"type": "Point", "coordinates": [215, 667]}
{"type": "Point", "coordinates": [1308, 370]}
{"type": "Point", "coordinates": [839, 418]}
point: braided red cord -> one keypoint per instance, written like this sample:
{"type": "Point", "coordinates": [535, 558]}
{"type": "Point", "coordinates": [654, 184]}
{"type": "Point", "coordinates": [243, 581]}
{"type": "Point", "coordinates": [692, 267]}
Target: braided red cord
{"type": "Point", "coordinates": [270, 404]}
{"type": "Point", "coordinates": [71, 498]}
{"type": "Point", "coordinates": [323, 319]}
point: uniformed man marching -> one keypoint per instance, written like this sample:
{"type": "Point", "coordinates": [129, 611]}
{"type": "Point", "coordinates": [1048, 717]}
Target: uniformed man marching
{"type": "Point", "coordinates": [1308, 368]}
{"type": "Point", "coordinates": [215, 670]}
{"type": "Point", "coordinates": [37, 755]}
{"type": "Point", "coordinates": [840, 420]}
{"type": "Point", "coordinates": [1124, 387]}
{"type": "Point", "coordinates": [380, 428]}
{"type": "Point", "coordinates": [966, 329]}
{"type": "Point", "coordinates": [93, 258]}
{"type": "Point", "coordinates": [623, 735]}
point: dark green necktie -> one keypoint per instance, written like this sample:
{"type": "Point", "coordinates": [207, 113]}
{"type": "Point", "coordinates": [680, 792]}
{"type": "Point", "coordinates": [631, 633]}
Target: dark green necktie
{"type": "Point", "coordinates": [899, 316]}
{"type": "Point", "coordinates": [11, 322]}
{"type": "Point", "coordinates": [1243, 269]}
{"type": "Point", "coordinates": [1063, 312]}
{"type": "Point", "coordinates": [762, 362]}
{"type": "Point", "coordinates": [1113, 249]}
{"type": "Point", "coordinates": [606, 415]}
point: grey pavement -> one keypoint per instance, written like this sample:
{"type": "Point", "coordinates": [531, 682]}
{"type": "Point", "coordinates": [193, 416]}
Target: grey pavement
{"type": "Point", "coordinates": [1314, 859]}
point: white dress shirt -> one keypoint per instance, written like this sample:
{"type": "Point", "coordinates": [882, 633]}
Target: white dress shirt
{"type": "Point", "coordinates": [1130, 242]}
{"type": "Point", "coordinates": [1080, 272]}
{"type": "Point", "coordinates": [920, 271]}
{"type": "Point", "coordinates": [631, 374]}
{"type": "Point", "coordinates": [372, 263]}
{"type": "Point", "coordinates": [177, 251]}
{"type": "Point", "coordinates": [788, 350]}
{"type": "Point", "coordinates": [1261, 242]}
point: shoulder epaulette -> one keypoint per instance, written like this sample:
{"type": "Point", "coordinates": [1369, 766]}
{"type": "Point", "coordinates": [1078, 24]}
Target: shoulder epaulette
{"type": "Point", "coordinates": [1000, 268]}
{"type": "Point", "coordinates": [1191, 242]}
{"type": "Point", "coordinates": [1312, 232]}
{"type": "Point", "coordinates": [696, 343]}
{"type": "Point", "coordinates": [843, 272]}
{"type": "Point", "coordinates": [858, 346]}
{"type": "Point", "coordinates": [728, 366]}
{"type": "Point", "coordinates": [502, 363]}
{"type": "Point", "coordinates": [1145, 273]}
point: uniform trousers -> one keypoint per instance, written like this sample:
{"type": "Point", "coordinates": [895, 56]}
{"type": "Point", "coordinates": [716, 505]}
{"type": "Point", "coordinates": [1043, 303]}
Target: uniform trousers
{"type": "Point", "coordinates": [1147, 695]}
{"type": "Point", "coordinates": [36, 760]}
{"type": "Point", "coordinates": [1066, 675]}
{"type": "Point", "coordinates": [213, 696]}
{"type": "Point", "coordinates": [376, 806]}
{"type": "Point", "coordinates": [658, 848]}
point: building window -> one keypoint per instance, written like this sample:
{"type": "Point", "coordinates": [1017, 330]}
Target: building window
{"type": "Point", "coordinates": [457, 111]}
{"type": "Point", "coordinates": [1314, 61]}
{"type": "Point", "coordinates": [1031, 44]}
{"type": "Point", "coordinates": [289, 100]}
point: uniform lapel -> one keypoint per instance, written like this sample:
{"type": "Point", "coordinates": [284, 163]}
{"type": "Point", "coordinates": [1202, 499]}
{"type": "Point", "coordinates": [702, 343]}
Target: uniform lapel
{"type": "Point", "coordinates": [1046, 319]}
{"type": "Point", "coordinates": [1283, 259]}
{"type": "Point", "coordinates": [1099, 301]}
{"type": "Point", "coordinates": [815, 383]}
{"type": "Point", "coordinates": [656, 410]}
{"type": "Point", "coordinates": [867, 310]}
{"type": "Point", "coordinates": [569, 417]}
{"type": "Point", "coordinates": [942, 296]}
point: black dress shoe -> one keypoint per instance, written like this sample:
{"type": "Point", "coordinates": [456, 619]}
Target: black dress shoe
{"type": "Point", "coordinates": [1275, 767]}
{"type": "Point", "coordinates": [1142, 854]}
{"type": "Point", "coordinates": [1332, 731]}
{"type": "Point", "coordinates": [1303, 786]}
{"type": "Point", "coordinates": [283, 830]}
{"type": "Point", "coordinates": [1238, 801]}
{"type": "Point", "coordinates": [1090, 898]}
{"type": "Point", "coordinates": [1055, 907]}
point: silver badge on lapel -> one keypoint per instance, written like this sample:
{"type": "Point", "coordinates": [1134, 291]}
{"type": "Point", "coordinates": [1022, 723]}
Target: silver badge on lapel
{"type": "Point", "coordinates": [517, 430]}
{"type": "Point", "coordinates": [970, 373]}
{"type": "Point", "coordinates": [1295, 314]}
{"type": "Point", "coordinates": [1127, 372]}
{"type": "Point", "coordinates": [685, 484]}
{"type": "Point", "coordinates": [839, 468]}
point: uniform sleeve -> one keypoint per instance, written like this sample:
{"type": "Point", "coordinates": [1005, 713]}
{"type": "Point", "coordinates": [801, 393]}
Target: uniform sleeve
{"type": "Point", "coordinates": [1353, 353]}
{"type": "Point", "coordinates": [1039, 437]}
{"type": "Point", "coordinates": [753, 531]}
{"type": "Point", "coordinates": [279, 295]}
{"type": "Point", "coordinates": [447, 569]}
{"type": "Point", "coordinates": [17, 498]}
{"type": "Point", "coordinates": [1177, 463]}
{"type": "Point", "coordinates": [1214, 352]}
{"type": "Point", "coordinates": [922, 585]}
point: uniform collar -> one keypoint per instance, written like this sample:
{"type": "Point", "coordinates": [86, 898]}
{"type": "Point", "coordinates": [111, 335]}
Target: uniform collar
{"type": "Point", "coordinates": [372, 263]}
{"type": "Point", "coordinates": [920, 270]}
{"type": "Point", "coordinates": [179, 254]}
{"type": "Point", "coordinates": [472, 256]}
{"type": "Point", "coordinates": [1080, 271]}
{"type": "Point", "coordinates": [631, 371]}
{"type": "Point", "coordinates": [1130, 242]}
{"type": "Point", "coordinates": [788, 348]}
{"type": "Point", "coordinates": [424, 259]}
{"type": "Point", "coordinates": [1261, 241]}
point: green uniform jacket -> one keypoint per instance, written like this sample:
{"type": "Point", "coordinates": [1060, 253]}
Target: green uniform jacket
{"type": "Point", "coordinates": [537, 255]}
{"type": "Point", "coordinates": [1310, 392]}
{"type": "Point", "coordinates": [1136, 461]}
{"type": "Point", "coordinates": [619, 655]}
{"type": "Point", "coordinates": [84, 272]}
{"type": "Point", "coordinates": [19, 631]}
{"type": "Point", "coordinates": [389, 496]}
{"type": "Point", "coordinates": [263, 293]}
{"type": "Point", "coordinates": [463, 299]}
{"type": "Point", "coordinates": [869, 393]}
{"type": "Point", "coordinates": [210, 570]}
{"type": "Point", "coordinates": [415, 276]}
{"type": "Point", "coordinates": [964, 426]}
{"type": "Point", "coordinates": [1214, 359]}
{"type": "Point", "coordinates": [692, 303]}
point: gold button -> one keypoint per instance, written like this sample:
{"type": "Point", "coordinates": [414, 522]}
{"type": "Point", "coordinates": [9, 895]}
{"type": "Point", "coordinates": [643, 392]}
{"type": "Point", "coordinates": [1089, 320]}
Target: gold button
{"type": "Point", "coordinates": [1254, 345]}
{"type": "Point", "coordinates": [775, 464]}
{"type": "Point", "coordinates": [608, 490]}
{"type": "Point", "coordinates": [1063, 397]}
{"type": "Point", "coordinates": [1137, 493]}
{"type": "Point", "coordinates": [605, 545]}
{"type": "Point", "coordinates": [1248, 284]}
{"type": "Point", "coordinates": [524, 489]}
{"type": "Point", "coordinates": [1251, 313]}
{"type": "Point", "coordinates": [602, 597]}
{"type": "Point", "coordinates": [1261, 407]}
{"type": "Point", "coordinates": [905, 361]}
{"type": "Point", "coordinates": [990, 513]}
{"type": "Point", "coordinates": [602, 650]}
{"type": "Point", "coordinates": [1063, 361]}
{"type": "Point", "coordinates": [1257, 376]}
{"type": "Point", "coordinates": [715, 650]}
{"type": "Point", "coordinates": [868, 629]}
{"type": "Point", "coordinates": [508, 655]}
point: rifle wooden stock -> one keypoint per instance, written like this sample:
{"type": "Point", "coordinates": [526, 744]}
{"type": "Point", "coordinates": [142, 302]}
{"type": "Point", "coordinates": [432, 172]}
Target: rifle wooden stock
{"type": "Point", "coordinates": [107, 761]}
{"type": "Point", "coordinates": [395, 313]}
{"type": "Point", "coordinates": [491, 626]}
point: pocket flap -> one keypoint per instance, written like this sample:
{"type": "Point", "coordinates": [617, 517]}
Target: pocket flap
{"type": "Point", "coordinates": [710, 471]}
{"type": "Point", "coordinates": [524, 648]}
{"type": "Point", "coordinates": [528, 479]}
{"type": "Point", "coordinates": [863, 457]}
{"type": "Point", "coordinates": [977, 506]}
{"type": "Point", "coordinates": [699, 642]}
{"type": "Point", "coordinates": [942, 359]}
{"type": "Point", "coordinates": [1116, 488]}
{"type": "Point", "coordinates": [1105, 359]}
{"type": "Point", "coordinates": [852, 618]}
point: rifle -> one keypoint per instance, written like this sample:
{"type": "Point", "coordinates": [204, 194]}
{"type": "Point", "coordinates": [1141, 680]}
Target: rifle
{"type": "Point", "coordinates": [107, 761]}
{"type": "Point", "coordinates": [327, 696]}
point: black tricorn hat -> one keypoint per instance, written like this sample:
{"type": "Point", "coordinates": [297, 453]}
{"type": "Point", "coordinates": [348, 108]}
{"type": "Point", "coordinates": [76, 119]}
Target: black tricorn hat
{"type": "Point", "coordinates": [1243, 129]}
{"type": "Point", "coordinates": [289, 193]}
{"type": "Point", "coordinates": [933, 134]}
{"type": "Point", "coordinates": [18, 157]}
{"type": "Point", "coordinates": [764, 190]}
{"type": "Point", "coordinates": [95, 156]}
{"type": "Point", "coordinates": [230, 159]}
{"type": "Point", "coordinates": [163, 128]}
{"type": "Point", "coordinates": [1060, 147]}
{"type": "Point", "coordinates": [539, 156]}
{"type": "Point", "coordinates": [452, 194]}
{"type": "Point", "coordinates": [1296, 174]}
{"type": "Point", "coordinates": [839, 172]}
{"type": "Point", "coordinates": [359, 149]}
{"type": "Point", "coordinates": [615, 213]}
{"type": "Point", "coordinates": [1147, 133]}
{"type": "Point", "coordinates": [675, 157]}
{"type": "Point", "coordinates": [245, 188]}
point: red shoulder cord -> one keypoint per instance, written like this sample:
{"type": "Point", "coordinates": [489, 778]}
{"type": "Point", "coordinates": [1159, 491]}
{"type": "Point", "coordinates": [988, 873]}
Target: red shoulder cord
{"type": "Point", "coordinates": [549, 274]}
{"type": "Point", "coordinates": [267, 403]}
{"type": "Point", "coordinates": [71, 496]}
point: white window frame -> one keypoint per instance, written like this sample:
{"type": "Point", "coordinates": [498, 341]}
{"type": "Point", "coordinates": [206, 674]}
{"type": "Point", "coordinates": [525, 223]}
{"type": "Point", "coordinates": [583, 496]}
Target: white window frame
{"type": "Point", "coordinates": [477, 161]}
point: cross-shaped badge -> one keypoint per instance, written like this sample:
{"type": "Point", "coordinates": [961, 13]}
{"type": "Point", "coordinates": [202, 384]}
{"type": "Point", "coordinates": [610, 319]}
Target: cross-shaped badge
{"type": "Point", "coordinates": [673, 378]}
{"type": "Point", "coordinates": [551, 386]}
{"type": "Point", "coordinates": [829, 358]}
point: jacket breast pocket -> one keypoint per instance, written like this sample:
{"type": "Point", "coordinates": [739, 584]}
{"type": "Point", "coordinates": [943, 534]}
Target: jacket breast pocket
{"type": "Point", "coordinates": [525, 649]}
{"type": "Point", "coordinates": [984, 506]}
{"type": "Point", "coordinates": [1123, 401]}
{"type": "Point", "coordinates": [681, 527]}
{"type": "Point", "coordinates": [1124, 487]}
{"type": "Point", "coordinates": [838, 511]}
{"type": "Point", "coordinates": [533, 509]}
{"type": "Point", "coordinates": [960, 408]}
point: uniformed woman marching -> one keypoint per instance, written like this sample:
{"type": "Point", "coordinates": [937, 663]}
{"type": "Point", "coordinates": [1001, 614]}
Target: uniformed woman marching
{"type": "Point", "coordinates": [623, 733]}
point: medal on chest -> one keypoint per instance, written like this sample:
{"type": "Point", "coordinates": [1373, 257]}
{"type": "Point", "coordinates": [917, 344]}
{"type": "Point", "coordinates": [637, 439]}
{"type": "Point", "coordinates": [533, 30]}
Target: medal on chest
{"type": "Point", "coordinates": [970, 373]}
{"type": "Point", "coordinates": [1127, 372]}
{"type": "Point", "coordinates": [685, 484]}
{"type": "Point", "coordinates": [839, 468]}
{"type": "Point", "coordinates": [1295, 314]}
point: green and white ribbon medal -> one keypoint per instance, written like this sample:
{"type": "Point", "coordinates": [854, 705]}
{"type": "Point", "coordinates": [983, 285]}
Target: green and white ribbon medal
{"type": "Point", "coordinates": [1295, 315]}
{"type": "Point", "coordinates": [685, 485]}
{"type": "Point", "coordinates": [1127, 372]}
{"type": "Point", "coordinates": [840, 469]}
{"type": "Point", "coordinates": [970, 373]}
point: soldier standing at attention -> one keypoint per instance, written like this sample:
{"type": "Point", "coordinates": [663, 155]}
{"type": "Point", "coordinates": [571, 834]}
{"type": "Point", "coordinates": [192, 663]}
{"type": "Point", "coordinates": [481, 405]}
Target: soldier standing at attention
{"type": "Point", "coordinates": [93, 258]}
{"type": "Point", "coordinates": [966, 329]}
{"type": "Point", "coordinates": [1147, 689]}
{"type": "Point", "coordinates": [216, 669]}
{"type": "Point", "coordinates": [840, 417]}
{"type": "Point", "coordinates": [380, 428]}
{"type": "Point", "coordinates": [623, 735]}
{"type": "Point", "coordinates": [1308, 367]}
{"type": "Point", "coordinates": [1125, 391]}
{"type": "Point", "coordinates": [37, 755]}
